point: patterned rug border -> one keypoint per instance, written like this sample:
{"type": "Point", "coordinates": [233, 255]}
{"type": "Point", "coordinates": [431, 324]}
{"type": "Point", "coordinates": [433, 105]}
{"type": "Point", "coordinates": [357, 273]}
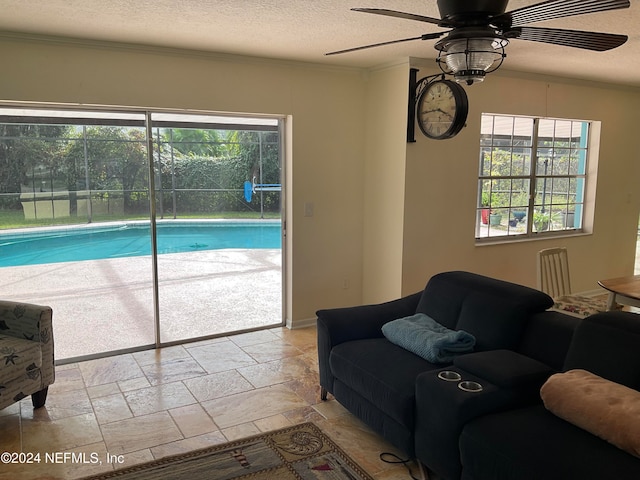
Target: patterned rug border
{"type": "Point", "coordinates": [193, 454]}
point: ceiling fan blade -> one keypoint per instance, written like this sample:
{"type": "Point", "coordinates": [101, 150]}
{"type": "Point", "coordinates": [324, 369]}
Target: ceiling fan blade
{"type": "Point", "coordinates": [394, 13]}
{"type": "Point", "coordinates": [552, 9]}
{"type": "Point", "coordinates": [426, 36]}
{"type": "Point", "coordinates": [595, 41]}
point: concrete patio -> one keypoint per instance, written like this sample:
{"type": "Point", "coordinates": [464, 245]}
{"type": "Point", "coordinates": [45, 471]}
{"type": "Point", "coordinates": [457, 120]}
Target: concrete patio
{"type": "Point", "coordinates": [105, 305]}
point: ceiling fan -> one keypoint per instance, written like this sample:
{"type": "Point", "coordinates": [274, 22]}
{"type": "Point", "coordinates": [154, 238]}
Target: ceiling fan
{"type": "Point", "coordinates": [481, 29]}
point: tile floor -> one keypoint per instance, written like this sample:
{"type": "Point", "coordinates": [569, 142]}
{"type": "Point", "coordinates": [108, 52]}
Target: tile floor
{"type": "Point", "coordinates": [146, 405]}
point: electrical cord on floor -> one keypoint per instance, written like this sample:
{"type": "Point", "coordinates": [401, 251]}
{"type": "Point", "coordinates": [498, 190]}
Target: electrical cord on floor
{"type": "Point", "coordinates": [388, 457]}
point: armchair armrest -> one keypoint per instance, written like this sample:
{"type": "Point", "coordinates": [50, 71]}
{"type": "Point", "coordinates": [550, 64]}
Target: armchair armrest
{"type": "Point", "coordinates": [339, 325]}
{"type": "Point", "coordinates": [25, 320]}
{"type": "Point", "coordinates": [31, 322]}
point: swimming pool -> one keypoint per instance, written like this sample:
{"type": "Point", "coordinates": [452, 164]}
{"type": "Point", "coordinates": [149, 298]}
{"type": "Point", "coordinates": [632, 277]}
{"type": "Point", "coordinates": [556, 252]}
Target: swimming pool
{"type": "Point", "coordinates": [130, 239]}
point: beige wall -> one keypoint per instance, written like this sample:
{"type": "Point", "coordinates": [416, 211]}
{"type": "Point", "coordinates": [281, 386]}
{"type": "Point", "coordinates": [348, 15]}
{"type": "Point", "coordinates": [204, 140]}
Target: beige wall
{"type": "Point", "coordinates": [387, 214]}
{"type": "Point", "coordinates": [384, 177]}
{"type": "Point", "coordinates": [325, 106]}
{"type": "Point", "coordinates": [439, 212]}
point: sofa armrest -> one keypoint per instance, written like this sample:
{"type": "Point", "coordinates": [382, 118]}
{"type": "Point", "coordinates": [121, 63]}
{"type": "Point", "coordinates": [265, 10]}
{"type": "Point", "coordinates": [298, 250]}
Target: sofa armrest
{"type": "Point", "coordinates": [506, 369]}
{"type": "Point", "coordinates": [508, 380]}
{"type": "Point", "coordinates": [339, 325]}
{"type": "Point", "coordinates": [364, 321]}
{"type": "Point", "coordinates": [443, 409]}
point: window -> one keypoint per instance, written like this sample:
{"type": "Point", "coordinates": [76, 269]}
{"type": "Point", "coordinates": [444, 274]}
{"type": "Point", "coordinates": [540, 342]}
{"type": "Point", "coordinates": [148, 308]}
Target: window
{"type": "Point", "coordinates": [532, 176]}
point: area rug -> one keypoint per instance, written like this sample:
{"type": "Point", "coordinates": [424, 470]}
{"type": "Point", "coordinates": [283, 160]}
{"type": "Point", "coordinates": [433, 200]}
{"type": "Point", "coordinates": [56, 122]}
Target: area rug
{"type": "Point", "coordinates": [300, 452]}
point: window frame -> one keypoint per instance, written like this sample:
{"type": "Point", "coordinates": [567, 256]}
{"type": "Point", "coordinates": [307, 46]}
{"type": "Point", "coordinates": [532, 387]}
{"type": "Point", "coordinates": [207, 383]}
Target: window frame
{"type": "Point", "coordinates": [578, 149]}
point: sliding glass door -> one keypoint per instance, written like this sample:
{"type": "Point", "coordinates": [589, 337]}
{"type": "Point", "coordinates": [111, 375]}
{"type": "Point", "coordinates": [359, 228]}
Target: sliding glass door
{"type": "Point", "coordinates": [218, 204]}
{"type": "Point", "coordinates": [137, 241]}
{"type": "Point", "coordinates": [73, 187]}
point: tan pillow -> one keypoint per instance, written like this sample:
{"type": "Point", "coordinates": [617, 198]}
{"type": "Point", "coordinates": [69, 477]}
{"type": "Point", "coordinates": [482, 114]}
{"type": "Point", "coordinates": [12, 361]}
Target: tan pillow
{"type": "Point", "coordinates": [602, 407]}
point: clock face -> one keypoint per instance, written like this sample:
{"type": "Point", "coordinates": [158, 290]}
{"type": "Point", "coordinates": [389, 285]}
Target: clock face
{"type": "Point", "coordinates": [442, 109]}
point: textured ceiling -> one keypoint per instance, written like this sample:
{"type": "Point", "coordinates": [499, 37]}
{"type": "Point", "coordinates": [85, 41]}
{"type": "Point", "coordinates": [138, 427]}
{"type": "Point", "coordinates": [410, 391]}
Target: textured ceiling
{"type": "Point", "coordinates": [303, 30]}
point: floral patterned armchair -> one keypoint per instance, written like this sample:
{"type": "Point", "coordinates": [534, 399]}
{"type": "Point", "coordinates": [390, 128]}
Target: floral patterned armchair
{"type": "Point", "coordinates": [26, 353]}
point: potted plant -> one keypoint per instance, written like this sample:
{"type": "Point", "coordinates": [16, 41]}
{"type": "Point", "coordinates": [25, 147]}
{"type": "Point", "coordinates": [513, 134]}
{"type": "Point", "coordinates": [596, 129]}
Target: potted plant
{"type": "Point", "coordinates": [485, 211]}
{"type": "Point", "coordinates": [499, 207]}
{"type": "Point", "coordinates": [568, 219]}
{"type": "Point", "coordinates": [542, 220]}
{"type": "Point", "coordinates": [520, 204]}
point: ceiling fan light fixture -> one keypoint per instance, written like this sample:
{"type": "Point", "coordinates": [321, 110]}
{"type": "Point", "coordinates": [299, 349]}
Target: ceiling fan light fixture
{"type": "Point", "coordinates": [470, 59]}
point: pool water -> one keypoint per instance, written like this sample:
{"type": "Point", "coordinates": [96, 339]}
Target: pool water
{"type": "Point", "coordinates": [72, 244]}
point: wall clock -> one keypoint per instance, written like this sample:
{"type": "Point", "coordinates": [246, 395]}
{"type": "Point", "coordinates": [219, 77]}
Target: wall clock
{"type": "Point", "coordinates": [442, 109]}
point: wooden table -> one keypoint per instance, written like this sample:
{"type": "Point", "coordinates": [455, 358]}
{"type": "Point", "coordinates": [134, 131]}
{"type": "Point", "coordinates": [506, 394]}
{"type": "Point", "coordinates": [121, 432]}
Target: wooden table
{"type": "Point", "coordinates": [624, 290]}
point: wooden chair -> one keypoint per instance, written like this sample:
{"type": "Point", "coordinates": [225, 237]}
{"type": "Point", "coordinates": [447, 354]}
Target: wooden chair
{"type": "Point", "coordinates": [554, 279]}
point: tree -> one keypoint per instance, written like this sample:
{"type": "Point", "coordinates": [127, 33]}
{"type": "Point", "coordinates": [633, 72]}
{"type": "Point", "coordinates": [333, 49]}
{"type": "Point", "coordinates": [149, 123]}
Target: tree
{"type": "Point", "coordinates": [204, 143]}
{"type": "Point", "coordinates": [28, 154]}
{"type": "Point", "coordinates": [238, 159]}
{"type": "Point", "coordinates": [117, 162]}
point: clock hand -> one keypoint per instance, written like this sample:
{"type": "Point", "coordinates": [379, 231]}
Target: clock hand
{"type": "Point", "coordinates": [441, 111]}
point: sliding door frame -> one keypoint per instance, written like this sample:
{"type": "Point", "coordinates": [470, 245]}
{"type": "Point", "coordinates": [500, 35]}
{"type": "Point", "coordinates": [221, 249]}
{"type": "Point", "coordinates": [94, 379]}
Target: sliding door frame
{"type": "Point", "coordinates": [94, 115]}
{"type": "Point", "coordinates": [280, 128]}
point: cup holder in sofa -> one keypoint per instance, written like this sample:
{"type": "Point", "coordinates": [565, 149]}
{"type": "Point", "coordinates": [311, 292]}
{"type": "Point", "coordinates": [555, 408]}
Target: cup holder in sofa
{"type": "Point", "coordinates": [449, 376]}
{"type": "Point", "coordinates": [466, 385]}
{"type": "Point", "coordinates": [469, 386]}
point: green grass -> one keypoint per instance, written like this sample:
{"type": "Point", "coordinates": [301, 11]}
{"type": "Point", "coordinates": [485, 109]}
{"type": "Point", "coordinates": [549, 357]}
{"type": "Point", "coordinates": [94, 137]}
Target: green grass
{"type": "Point", "coordinates": [10, 219]}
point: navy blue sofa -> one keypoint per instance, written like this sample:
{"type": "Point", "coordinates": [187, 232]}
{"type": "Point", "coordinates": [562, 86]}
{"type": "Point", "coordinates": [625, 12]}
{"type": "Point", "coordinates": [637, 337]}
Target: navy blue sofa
{"type": "Point", "coordinates": [531, 443]}
{"type": "Point", "coordinates": [376, 380]}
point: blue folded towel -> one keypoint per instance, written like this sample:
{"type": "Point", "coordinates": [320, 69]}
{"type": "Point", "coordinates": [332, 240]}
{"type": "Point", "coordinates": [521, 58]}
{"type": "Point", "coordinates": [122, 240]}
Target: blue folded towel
{"type": "Point", "coordinates": [425, 337]}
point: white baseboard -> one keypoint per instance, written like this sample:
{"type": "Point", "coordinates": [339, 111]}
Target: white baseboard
{"type": "Point", "coordinates": [301, 323]}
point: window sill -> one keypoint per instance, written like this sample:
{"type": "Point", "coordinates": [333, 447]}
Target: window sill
{"type": "Point", "coordinates": [482, 242]}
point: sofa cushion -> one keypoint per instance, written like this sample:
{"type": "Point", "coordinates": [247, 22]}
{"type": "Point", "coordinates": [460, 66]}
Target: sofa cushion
{"type": "Point", "coordinates": [533, 444]}
{"type": "Point", "coordinates": [382, 373]}
{"type": "Point", "coordinates": [606, 344]}
{"type": "Point", "coordinates": [495, 312]}
{"type": "Point", "coordinates": [494, 321]}
{"type": "Point", "coordinates": [604, 408]}
{"type": "Point", "coordinates": [428, 339]}
{"type": "Point", "coordinates": [17, 356]}
{"type": "Point", "coordinates": [445, 294]}
{"type": "Point", "coordinates": [542, 326]}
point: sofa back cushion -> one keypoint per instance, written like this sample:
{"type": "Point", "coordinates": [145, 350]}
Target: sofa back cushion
{"type": "Point", "coordinates": [547, 337]}
{"type": "Point", "coordinates": [494, 321]}
{"type": "Point", "coordinates": [494, 311]}
{"type": "Point", "coordinates": [607, 344]}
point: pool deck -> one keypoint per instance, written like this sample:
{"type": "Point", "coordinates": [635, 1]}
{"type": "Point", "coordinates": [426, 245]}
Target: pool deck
{"type": "Point", "coordinates": [106, 305]}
